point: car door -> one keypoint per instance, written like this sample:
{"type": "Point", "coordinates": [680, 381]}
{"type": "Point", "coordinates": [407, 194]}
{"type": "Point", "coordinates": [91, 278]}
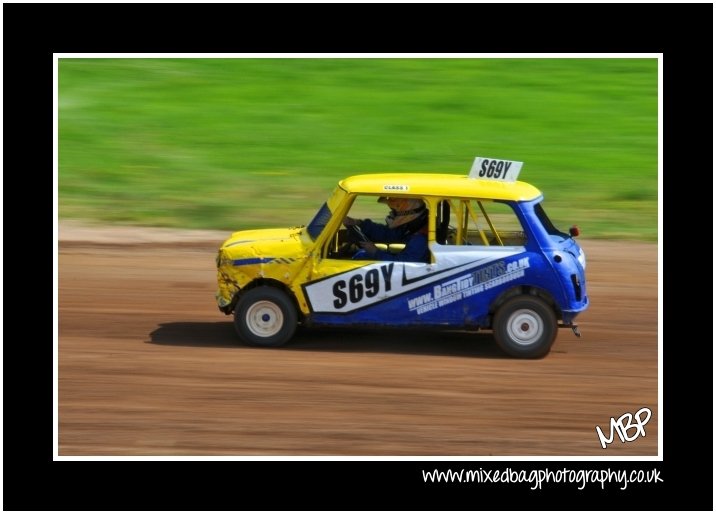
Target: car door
{"type": "Point", "coordinates": [344, 291]}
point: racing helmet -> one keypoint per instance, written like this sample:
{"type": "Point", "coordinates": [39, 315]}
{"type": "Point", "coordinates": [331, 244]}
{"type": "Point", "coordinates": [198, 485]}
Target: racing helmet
{"type": "Point", "coordinates": [403, 210]}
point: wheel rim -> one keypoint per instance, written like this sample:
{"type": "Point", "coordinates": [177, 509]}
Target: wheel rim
{"type": "Point", "coordinates": [264, 319]}
{"type": "Point", "coordinates": [525, 327]}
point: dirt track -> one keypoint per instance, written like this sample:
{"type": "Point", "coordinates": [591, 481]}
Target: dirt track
{"type": "Point", "coordinates": [149, 366]}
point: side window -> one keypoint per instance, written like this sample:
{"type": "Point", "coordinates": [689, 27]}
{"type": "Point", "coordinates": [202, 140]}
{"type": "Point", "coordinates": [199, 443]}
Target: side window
{"type": "Point", "coordinates": [367, 233]}
{"type": "Point", "coordinates": [345, 243]}
{"type": "Point", "coordinates": [483, 222]}
{"type": "Point", "coordinates": [368, 207]}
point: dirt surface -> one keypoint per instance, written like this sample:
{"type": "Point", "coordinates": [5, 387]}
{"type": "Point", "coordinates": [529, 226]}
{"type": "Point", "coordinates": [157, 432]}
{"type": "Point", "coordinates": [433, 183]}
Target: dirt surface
{"type": "Point", "coordinates": [149, 366]}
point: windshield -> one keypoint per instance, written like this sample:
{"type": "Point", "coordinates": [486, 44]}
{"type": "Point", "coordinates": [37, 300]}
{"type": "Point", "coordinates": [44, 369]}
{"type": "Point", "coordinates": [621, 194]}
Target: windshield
{"type": "Point", "coordinates": [319, 221]}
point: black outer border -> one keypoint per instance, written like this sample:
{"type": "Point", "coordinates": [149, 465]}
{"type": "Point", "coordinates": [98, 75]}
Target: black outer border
{"type": "Point", "coordinates": [32, 481]}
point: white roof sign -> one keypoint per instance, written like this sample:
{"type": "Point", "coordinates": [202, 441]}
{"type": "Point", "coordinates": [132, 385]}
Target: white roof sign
{"type": "Point", "coordinates": [495, 169]}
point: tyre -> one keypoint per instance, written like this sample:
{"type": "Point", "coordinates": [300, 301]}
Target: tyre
{"type": "Point", "coordinates": [265, 316]}
{"type": "Point", "coordinates": [525, 327]}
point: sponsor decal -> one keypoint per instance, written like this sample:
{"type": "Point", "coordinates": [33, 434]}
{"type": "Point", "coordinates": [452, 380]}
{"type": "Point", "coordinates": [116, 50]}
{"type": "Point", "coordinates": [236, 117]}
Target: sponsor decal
{"type": "Point", "coordinates": [464, 286]}
{"type": "Point", "coordinates": [368, 285]}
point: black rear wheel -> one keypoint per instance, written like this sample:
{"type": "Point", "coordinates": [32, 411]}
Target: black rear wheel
{"type": "Point", "coordinates": [525, 327]}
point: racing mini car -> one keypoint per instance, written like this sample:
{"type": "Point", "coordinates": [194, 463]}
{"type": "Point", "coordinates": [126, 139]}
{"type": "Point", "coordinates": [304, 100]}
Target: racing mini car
{"type": "Point", "coordinates": [494, 262]}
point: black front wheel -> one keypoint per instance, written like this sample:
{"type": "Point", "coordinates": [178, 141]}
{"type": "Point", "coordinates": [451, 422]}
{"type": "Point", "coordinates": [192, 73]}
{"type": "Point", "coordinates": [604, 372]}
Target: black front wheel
{"type": "Point", "coordinates": [525, 327]}
{"type": "Point", "coordinates": [265, 316]}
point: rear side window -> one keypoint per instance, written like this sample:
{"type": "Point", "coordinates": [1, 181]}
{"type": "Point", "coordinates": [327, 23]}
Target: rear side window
{"type": "Point", "coordinates": [479, 222]}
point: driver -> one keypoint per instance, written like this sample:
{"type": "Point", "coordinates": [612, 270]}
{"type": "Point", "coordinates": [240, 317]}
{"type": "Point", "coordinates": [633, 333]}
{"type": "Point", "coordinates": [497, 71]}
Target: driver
{"type": "Point", "coordinates": [407, 223]}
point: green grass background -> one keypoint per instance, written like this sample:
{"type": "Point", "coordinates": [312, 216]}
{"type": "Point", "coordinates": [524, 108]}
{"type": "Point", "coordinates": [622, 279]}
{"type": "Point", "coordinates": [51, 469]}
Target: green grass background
{"type": "Point", "coordinates": [240, 143]}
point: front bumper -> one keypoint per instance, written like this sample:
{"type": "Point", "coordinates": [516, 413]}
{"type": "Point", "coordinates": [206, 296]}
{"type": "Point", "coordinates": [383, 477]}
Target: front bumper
{"type": "Point", "coordinates": [226, 294]}
{"type": "Point", "coordinates": [568, 316]}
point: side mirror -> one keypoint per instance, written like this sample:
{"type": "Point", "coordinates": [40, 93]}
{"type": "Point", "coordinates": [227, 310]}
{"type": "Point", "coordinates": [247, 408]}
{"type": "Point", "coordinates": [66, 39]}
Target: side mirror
{"type": "Point", "coordinates": [574, 231]}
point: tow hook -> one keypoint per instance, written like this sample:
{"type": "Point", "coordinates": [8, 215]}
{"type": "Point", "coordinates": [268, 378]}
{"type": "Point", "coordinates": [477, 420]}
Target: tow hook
{"type": "Point", "coordinates": [575, 328]}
